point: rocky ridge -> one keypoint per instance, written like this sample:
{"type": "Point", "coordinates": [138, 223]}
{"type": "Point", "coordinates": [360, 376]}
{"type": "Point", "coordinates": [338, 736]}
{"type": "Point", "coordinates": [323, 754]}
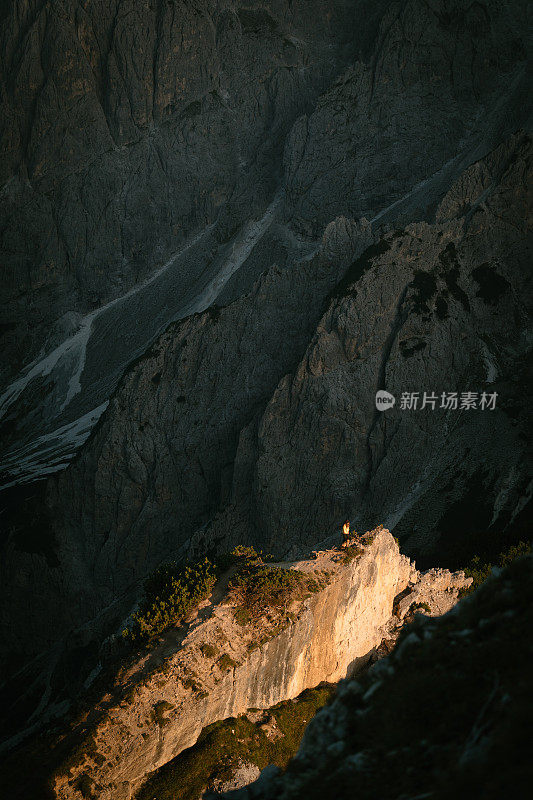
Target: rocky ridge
{"type": "Point", "coordinates": [218, 668]}
{"type": "Point", "coordinates": [460, 700]}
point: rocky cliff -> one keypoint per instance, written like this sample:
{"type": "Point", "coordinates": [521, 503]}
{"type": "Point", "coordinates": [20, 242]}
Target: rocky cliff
{"type": "Point", "coordinates": [156, 140]}
{"type": "Point", "coordinates": [433, 309]}
{"type": "Point", "coordinates": [143, 165]}
{"type": "Point", "coordinates": [219, 667]}
{"type": "Point", "coordinates": [127, 127]}
{"type": "Point", "coordinates": [445, 715]}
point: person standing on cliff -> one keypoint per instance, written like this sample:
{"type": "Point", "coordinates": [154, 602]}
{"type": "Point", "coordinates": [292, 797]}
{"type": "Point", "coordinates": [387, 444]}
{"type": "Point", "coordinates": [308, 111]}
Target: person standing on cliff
{"type": "Point", "coordinates": [346, 531]}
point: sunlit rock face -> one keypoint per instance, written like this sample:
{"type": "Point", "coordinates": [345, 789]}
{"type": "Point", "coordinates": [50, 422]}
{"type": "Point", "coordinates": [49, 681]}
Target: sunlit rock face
{"type": "Point", "coordinates": [162, 702]}
{"type": "Point", "coordinates": [444, 714]}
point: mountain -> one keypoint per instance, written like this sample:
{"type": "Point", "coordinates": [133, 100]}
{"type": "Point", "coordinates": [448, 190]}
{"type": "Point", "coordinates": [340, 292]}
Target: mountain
{"type": "Point", "coordinates": [142, 143]}
{"type": "Point", "coordinates": [225, 227]}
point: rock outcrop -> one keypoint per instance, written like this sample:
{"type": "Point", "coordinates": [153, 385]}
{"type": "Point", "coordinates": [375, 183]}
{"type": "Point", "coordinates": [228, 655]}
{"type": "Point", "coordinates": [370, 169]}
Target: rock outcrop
{"type": "Point", "coordinates": [244, 774]}
{"type": "Point", "coordinates": [446, 715]}
{"type": "Point", "coordinates": [220, 668]}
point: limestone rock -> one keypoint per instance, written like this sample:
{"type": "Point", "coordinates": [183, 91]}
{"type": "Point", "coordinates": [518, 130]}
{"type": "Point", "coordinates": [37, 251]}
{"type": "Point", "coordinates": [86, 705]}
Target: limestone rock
{"type": "Point", "coordinates": [436, 591]}
{"type": "Point", "coordinates": [244, 774]}
{"type": "Point", "coordinates": [445, 713]}
{"type": "Point", "coordinates": [332, 634]}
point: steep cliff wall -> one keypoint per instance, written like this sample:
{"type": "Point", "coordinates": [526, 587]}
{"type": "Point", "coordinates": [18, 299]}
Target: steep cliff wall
{"type": "Point", "coordinates": [433, 308]}
{"type": "Point", "coordinates": [162, 456]}
{"type": "Point", "coordinates": [444, 82]}
{"type": "Point", "coordinates": [128, 125]}
{"type": "Point", "coordinates": [257, 423]}
{"type": "Point", "coordinates": [162, 702]}
{"type": "Point", "coordinates": [143, 144]}
{"type": "Point", "coordinates": [446, 715]}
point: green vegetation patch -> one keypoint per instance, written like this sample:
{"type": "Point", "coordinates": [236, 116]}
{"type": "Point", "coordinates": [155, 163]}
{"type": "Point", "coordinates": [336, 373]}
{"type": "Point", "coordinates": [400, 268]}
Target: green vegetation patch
{"type": "Point", "coordinates": [480, 570]}
{"type": "Point", "coordinates": [421, 607]}
{"type": "Point", "coordinates": [170, 594]}
{"type": "Point", "coordinates": [350, 553]}
{"type": "Point", "coordinates": [225, 662]}
{"type": "Point", "coordinates": [209, 650]}
{"type": "Point", "coordinates": [225, 744]}
{"type": "Point", "coordinates": [257, 586]}
{"type": "Point", "coordinates": [172, 591]}
{"type": "Point", "coordinates": [159, 711]}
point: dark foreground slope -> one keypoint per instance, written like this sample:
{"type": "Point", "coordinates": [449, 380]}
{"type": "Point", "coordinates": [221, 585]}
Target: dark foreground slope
{"type": "Point", "coordinates": [447, 715]}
